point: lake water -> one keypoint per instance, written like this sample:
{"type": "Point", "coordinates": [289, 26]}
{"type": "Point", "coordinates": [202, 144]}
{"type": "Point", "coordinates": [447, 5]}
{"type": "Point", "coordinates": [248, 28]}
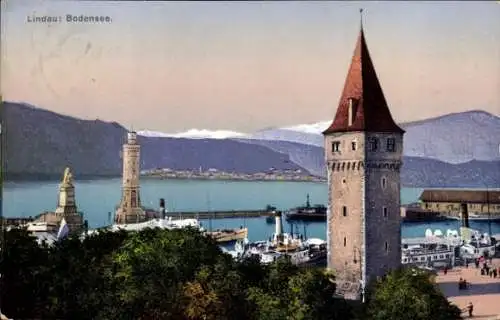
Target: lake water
{"type": "Point", "coordinates": [95, 198]}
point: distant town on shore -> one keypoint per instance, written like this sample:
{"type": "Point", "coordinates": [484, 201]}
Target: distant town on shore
{"type": "Point", "coordinates": [272, 174]}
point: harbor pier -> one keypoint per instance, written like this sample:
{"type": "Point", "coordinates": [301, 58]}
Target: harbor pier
{"type": "Point", "coordinates": [204, 215]}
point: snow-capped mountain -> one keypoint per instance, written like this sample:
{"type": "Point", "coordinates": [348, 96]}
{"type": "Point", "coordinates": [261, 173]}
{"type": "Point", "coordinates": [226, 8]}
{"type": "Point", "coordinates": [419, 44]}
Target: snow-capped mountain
{"type": "Point", "coordinates": [280, 134]}
{"type": "Point", "coordinates": [147, 133]}
{"type": "Point", "coordinates": [453, 138]}
{"type": "Point", "coordinates": [315, 128]}
{"type": "Point", "coordinates": [194, 134]}
{"type": "Point", "coordinates": [309, 134]}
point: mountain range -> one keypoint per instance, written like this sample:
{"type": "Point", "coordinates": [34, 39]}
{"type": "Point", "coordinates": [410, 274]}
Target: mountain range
{"type": "Point", "coordinates": [455, 150]}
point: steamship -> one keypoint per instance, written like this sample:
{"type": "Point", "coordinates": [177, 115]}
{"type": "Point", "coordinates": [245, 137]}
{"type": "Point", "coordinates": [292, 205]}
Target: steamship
{"type": "Point", "coordinates": [154, 219]}
{"type": "Point", "coordinates": [300, 251]}
{"type": "Point", "coordinates": [437, 249]}
{"type": "Point", "coordinates": [307, 212]}
{"type": "Point", "coordinates": [160, 219]}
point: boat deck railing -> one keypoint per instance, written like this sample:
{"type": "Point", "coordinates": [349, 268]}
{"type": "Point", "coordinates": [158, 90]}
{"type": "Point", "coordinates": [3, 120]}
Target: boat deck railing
{"type": "Point", "coordinates": [432, 240]}
{"type": "Point", "coordinates": [419, 252]}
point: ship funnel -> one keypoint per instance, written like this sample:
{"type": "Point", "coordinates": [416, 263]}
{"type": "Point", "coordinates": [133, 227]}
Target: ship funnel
{"type": "Point", "coordinates": [465, 215]}
{"type": "Point", "coordinates": [278, 223]}
{"type": "Point", "coordinates": [162, 208]}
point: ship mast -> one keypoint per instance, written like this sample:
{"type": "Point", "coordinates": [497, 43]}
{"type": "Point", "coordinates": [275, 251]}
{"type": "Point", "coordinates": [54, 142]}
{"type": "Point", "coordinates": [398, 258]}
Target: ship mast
{"type": "Point", "coordinates": [488, 208]}
{"type": "Point", "coordinates": [208, 209]}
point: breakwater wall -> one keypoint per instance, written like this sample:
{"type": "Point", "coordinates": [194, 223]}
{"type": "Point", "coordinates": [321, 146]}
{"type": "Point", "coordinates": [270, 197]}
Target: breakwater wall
{"type": "Point", "coordinates": [204, 215]}
{"type": "Point", "coordinates": [221, 214]}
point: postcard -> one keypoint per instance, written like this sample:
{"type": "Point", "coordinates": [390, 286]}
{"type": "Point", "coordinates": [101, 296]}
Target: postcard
{"type": "Point", "coordinates": [360, 128]}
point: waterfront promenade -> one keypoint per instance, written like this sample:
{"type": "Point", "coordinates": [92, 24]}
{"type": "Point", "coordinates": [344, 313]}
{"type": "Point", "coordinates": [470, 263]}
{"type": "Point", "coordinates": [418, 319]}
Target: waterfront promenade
{"type": "Point", "coordinates": [483, 291]}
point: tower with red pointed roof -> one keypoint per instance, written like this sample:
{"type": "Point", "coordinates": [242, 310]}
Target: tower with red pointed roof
{"type": "Point", "coordinates": [363, 148]}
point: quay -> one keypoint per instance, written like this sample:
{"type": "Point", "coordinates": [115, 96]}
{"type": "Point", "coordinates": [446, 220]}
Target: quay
{"type": "Point", "coordinates": [483, 291]}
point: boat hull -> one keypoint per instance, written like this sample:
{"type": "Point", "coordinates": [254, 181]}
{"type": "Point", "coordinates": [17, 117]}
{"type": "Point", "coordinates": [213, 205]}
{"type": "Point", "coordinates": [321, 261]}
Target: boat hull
{"type": "Point", "coordinates": [476, 218]}
{"type": "Point", "coordinates": [229, 236]}
{"type": "Point", "coordinates": [316, 217]}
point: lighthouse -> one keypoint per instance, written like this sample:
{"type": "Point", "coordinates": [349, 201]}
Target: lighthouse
{"type": "Point", "coordinates": [129, 210]}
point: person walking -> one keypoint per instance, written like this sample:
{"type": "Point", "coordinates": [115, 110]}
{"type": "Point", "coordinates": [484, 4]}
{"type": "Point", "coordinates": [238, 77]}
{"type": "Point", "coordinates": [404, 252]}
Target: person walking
{"type": "Point", "coordinates": [470, 308]}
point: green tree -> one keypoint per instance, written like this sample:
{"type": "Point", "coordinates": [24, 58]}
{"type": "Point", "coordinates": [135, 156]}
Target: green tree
{"type": "Point", "coordinates": [182, 274]}
{"type": "Point", "coordinates": [82, 267]}
{"type": "Point", "coordinates": [408, 293]}
{"type": "Point", "coordinates": [311, 295]}
{"type": "Point", "coordinates": [152, 266]}
{"type": "Point", "coordinates": [252, 272]}
{"type": "Point", "coordinates": [217, 292]}
{"type": "Point", "coordinates": [278, 274]}
{"type": "Point", "coordinates": [23, 269]}
{"type": "Point", "coordinates": [297, 293]}
{"type": "Point", "coordinates": [266, 305]}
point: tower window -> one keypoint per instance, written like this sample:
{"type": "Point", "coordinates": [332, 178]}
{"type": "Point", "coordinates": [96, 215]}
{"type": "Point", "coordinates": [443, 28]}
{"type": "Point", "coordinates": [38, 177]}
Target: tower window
{"type": "Point", "coordinates": [354, 145]}
{"type": "Point", "coordinates": [373, 143]}
{"type": "Point", "coordinates": [344, 182]}
{"type": "Point", "coordinates": [383, 182]}
{"type": "Point", "coordinates": [391, 145]}
{"type": "Point", "coordinates": [385, 212]}
{"type": "Point", "coordinates": [133, 199]}
{"type": "Point", "coordinates": [344, 211]}
{"type": "Point", "coordinates": [336, 146]}
{"type": "Point", "coordinates": [345, 241]}
{"type": "Point", "coordinates": [386, 247]}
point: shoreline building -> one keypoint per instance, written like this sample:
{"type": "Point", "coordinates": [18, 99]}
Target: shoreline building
{"type": "Point", "coordinates": [482, 203]}
{"type": "Point", "coordinates": [129, 209]}
{"type": "Point", "coordinates": [363, 151]}
{"type": "Point", "coordinates": [66, 207]}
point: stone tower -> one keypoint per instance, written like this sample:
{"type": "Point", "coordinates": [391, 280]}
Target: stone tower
{"type": "Point", "coordinates": [66, 205]}
{"type": "Point", "coordinates": [130, 210]}
{"type": "Point", "coordinates": [363, 149]}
